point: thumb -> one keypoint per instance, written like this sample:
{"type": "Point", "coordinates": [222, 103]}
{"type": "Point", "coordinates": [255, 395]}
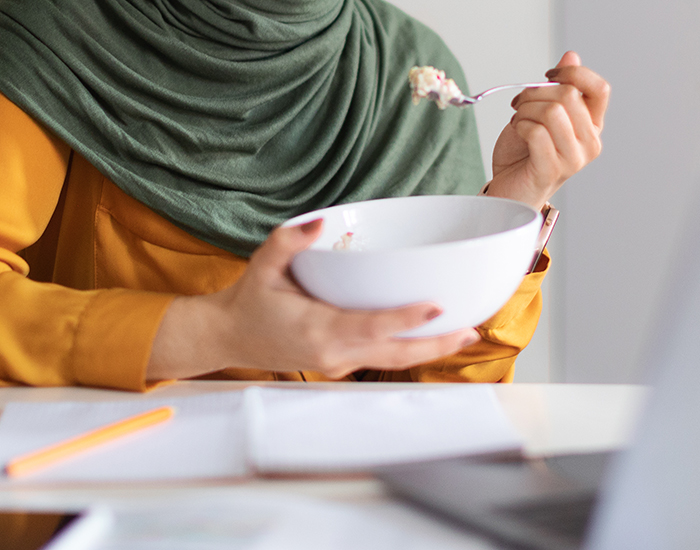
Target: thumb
{"type": "Point", "coordinates": [285, 242]}
{"type": "Point", "coordinates": [568, 59]}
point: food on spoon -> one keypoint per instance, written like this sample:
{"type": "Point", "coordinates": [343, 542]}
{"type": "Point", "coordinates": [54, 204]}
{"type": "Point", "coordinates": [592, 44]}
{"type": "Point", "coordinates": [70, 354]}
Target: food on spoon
{"type": "Point", "coordinates": [344, 242]}
{"type": "Point", "coordinates": [431, 83]}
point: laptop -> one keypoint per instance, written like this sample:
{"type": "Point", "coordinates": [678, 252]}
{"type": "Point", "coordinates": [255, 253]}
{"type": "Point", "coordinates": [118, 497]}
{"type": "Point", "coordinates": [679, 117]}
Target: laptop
{"type": "Point", "coordinates": [645, 496]}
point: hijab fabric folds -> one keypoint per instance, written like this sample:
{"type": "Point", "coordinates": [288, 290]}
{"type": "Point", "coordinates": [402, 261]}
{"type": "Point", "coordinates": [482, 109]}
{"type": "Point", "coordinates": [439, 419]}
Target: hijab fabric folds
{"type": "Point", "coordinates": [228, 117]}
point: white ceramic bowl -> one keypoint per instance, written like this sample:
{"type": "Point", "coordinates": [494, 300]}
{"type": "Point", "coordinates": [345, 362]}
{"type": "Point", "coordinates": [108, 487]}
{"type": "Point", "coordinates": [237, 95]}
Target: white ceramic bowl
{"type": "Point", "coordinates": [468, 254]}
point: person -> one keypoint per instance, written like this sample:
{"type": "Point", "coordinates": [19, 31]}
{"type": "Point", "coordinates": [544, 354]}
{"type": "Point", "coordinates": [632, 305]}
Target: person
{"type": "Point", "coordinates": [149, 152]}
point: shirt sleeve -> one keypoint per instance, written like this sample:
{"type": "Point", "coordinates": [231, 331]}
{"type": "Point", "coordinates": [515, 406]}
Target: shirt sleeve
{"type": "Point", "coordinates": [491, 359]}
{"type": "Point", "coordinates": [503, 337]}
{"type": "Point", "coordinates": [51, 335]}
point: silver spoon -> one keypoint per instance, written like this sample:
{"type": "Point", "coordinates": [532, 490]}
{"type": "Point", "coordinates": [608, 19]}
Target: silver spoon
{"type": "Point", "coordinates": [432, 84]}
{"type": "Point", "coordinates": [463, 100]}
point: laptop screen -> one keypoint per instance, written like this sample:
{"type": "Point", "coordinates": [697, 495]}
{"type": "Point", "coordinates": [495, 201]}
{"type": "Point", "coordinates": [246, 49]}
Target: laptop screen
{"type": "Point", "coordinates": [652, 497]}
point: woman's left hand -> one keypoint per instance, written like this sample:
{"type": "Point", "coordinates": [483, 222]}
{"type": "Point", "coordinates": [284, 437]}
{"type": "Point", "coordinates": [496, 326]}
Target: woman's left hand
{"type": "Point", "coordinates": [554, 133]}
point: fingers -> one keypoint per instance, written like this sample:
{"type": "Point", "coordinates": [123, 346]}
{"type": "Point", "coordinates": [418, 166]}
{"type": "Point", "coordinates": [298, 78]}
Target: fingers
{"type": "Point", "coordinates": [570, 116]}
{"type": "Point", "coordinates": [569, 58]}
{"type": "Point", "coordinates": [564, 99]}
{"type": "Point", "coordinates": [397, 353]}
{"type": "Point", "coordinates": [276, 253]}
{"type": "Point", "coordinates": [557, 119]}
{"type": "Point", "coordinates": [568, 122]}
{"type": "Point", "coordinates": [594, 89]}
{"type": "Point", "coordinates": [368, 338]}
{"type": "Point", "coordinates": [360, 325]}
{"type": "Point", "coordinates": [544, 157]}
{"type": "Point", "coordinates": [402, 353]}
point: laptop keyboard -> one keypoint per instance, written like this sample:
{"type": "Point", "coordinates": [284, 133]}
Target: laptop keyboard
{"type": "Point", "coordinates": [564, 518]}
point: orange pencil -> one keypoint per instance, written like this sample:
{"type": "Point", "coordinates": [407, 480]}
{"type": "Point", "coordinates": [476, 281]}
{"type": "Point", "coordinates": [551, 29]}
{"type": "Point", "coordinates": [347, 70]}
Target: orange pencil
{"type": "Point", "coordinates": [49, 455]}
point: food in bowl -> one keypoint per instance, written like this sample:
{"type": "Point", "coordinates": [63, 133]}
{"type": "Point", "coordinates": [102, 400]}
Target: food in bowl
{"type": "Point", "coordinates": [467, 254]}
{"type": "Point", "coordinates": [345, 241]}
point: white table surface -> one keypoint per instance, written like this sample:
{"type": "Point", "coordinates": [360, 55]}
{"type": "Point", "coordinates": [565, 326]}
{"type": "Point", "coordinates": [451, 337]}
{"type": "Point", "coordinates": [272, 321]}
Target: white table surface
{"type": "Point", "coordinates": [553, 418]}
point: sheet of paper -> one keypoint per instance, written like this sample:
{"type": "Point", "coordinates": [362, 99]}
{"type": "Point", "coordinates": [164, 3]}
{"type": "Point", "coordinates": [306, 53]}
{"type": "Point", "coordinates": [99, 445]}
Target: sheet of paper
{"type": "Point", "coordinates": [244, 519]}
{"type": "Point", "coordinates": [205, 438]}
{"type": "Point", "coordinates": [312, 430]}
{"type": "Point", "coordinates": [220, 435]}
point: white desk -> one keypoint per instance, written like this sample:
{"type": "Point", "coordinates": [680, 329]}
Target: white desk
{"type": "Point", "coordinates": [553, 418]}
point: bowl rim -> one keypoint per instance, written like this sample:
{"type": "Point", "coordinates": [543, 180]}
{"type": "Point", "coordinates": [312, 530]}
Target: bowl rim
{"type": "Point", "coordinates": [318, 213]}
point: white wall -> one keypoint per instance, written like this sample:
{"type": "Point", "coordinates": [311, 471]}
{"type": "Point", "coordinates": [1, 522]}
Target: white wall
{"type": "Point", "coordinates": [498, 42]}
{"type": "Point", "coordinates": [621, 215]}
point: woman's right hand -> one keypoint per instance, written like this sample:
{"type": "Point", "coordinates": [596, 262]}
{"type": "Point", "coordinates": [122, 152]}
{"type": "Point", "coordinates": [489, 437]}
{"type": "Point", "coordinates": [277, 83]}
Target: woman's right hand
{"type": "Point", "coordinates": [266, 321]}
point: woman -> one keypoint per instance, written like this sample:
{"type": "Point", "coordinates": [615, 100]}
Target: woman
{"type": "Point", "coordinates": [150, 149]}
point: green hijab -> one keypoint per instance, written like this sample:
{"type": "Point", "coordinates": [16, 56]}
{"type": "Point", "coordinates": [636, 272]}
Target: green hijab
{"type": "Point", "coordinates": [228, 117]}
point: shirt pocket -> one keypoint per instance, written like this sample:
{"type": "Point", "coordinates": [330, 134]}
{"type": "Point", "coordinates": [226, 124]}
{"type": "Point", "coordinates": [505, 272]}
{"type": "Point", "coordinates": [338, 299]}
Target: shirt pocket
{"type": "Point", "coordinates": [137, 248]}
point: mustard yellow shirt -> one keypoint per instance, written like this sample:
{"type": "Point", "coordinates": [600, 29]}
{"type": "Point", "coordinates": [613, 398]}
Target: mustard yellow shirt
{"type": "Point", "coordinates": [87, 272]}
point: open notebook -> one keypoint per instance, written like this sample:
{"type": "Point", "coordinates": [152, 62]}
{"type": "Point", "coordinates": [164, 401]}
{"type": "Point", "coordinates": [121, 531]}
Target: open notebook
{"type": "Point", "coordinates": [264, 430]}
